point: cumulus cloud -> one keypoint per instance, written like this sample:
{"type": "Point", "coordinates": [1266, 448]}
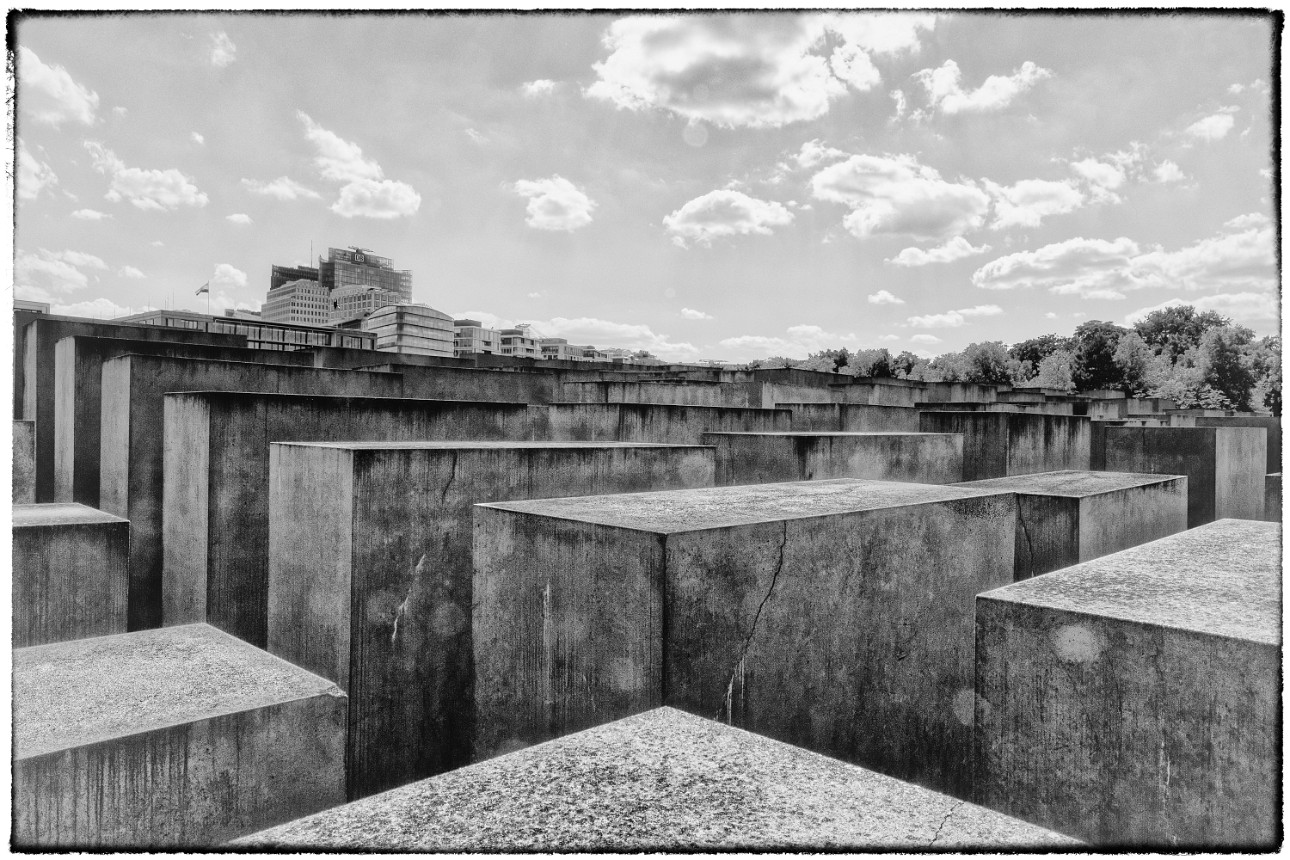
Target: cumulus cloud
{"type": "Point", "coordinates": [1099, 173]}
{"type": "Point", "coordinates": [90, 215]}
{"type": "Point", "coordinates": [798, 342]}
{"type": "Point", "coordinates": [54, 272]}
{"type": "Point", "coordinates": [1167, 171]}
{"type": "Point", "coordinates": [150, 190]}
{"type": "Point", "coordinates": [895, 195]}
{"type": "Point", "coordinates": [813, 153]}
{"type": "Point", "coordinates": [49, 95]}
{"type": "Point", "coordinates": [945, 90]}
{"type": "Point", "coordinates": [540, 87]}
{"type": "Point", "coordinates": [955, 249]}
{"type": "Point", "coordinates": [228, 276]}
{"type": "Point", "coordinates": [130, 272]}
{"type": "Point", "coordinates": [1028, 202]}
{"type": "Point", "coordinates": [197, 138]}
{"type": "Point", "coordinates": [281, 188]}
{"type": "Point", "coordinates": [1210, 128]}
{"type": "Point", "coordinates": [724, 213]}
{"type": "Point", "coordinates": [589, 331]}
{"type": "Point", "coordinates": [1087, 263]}
{"type": "Point", "coordinates": [1252, 219]}
{"type": "Point", "coordinates": [691, 314]}
{"type": "Point", "coordinates": [239, 218]}
{"type": "Point", "coordinates": [555, 204]}
{"type": "Point", "coordinates": [882, 297]}
{"type": "Point", "coordinates": [34, 175]}
{"type": "Point", "coordinates": [223, 51]}
{"type": "Point", "coordinates": [365, 191]}
{"type": "Point", "coordinates": [953, 319]}
{"type": "Point", "coordinates": [924, 338]}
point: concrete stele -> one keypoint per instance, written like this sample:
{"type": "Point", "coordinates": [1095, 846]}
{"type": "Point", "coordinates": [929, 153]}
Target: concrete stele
{"type": "Point", "coordinates": [763, 458]}
{"type": "Point", "coordinates": [1272, 498]}
{"type": "Point", "coordinates": [852, 418]}
{"type": "Point", "coordinates": [1134, 700]}
{"type": "Point", "coordinates": [184, 737]}
{"type": "Point", "coordinates": [998, 444]}
{"type": "Point", "coordinates": [71, 573]}
{"type": "Point", "coordinates": [1067, 517]}
{"type": "Point", "coordinates": [834, 615]}
{"type": "Point", "coordinates": [24, 462]}
{"type": "Point", "coordinates": [659, 781]}
{"type": "Point", "coordinates": [370, 574]}
{"type": "Point", "coordinates": [660, 423]}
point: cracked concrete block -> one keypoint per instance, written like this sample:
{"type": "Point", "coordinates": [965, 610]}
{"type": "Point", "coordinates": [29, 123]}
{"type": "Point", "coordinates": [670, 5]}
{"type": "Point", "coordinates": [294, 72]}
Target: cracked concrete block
{"type": "Point", "coordinates": [370, 573]}
{"type": "Point", "coordinates": [1225, 466]}
{"type": "Point", "coordinates": [1272, 498]}
{"type": "Point", "coordinates": [1067, 517]}
{"type": "Point", "coordinates": [70, 573]}
{"type": "Point", "coordinates": [24, 462]}
{"type": "Point", "coordinates": [215, 511]}
{"type": "Point", "coordinates": [851, 418]}
{"type": "Point", "coordinates": [833, 615]}
{"type": "Point", "coordinates": [165, 739]}
{"type": "Point", "coordinates": [659, 781]}
{"type": "Point", "coordinates": [1134, 701]}
{"type": "Point", "coordinates": [998, 444]}
{"type": "Point", "coordinates": [763, 458]}
{"type": "Point", "coordinates": [660, 423]}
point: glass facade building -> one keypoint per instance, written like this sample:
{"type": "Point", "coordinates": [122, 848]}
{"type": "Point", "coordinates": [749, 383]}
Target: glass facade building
{"type": "Point", "coordinates": [355, 267]}
{"type": "Point", "coordinates": [300, 301]}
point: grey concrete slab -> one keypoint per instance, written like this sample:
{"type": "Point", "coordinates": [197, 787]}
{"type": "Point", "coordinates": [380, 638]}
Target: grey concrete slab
{"type": "Point", "coordinates": [762, 458]}
{"type": "Point", "coordinates": [70, 573]}
{"type": "Point", "coordinates": [810, 612]}
{"type": "Point", "coordinates": [654, 422]}
{"type": "Point", "coordinates": [659, 781]}
{"type": "Point", "coordinates": [184, 737]}
{"type": "Point", "coordinates": [24, 462]}
{"type": "Point", "coordinates": [852, 418]}
{"type": "Point", "coordinates": [1134, 700]}
{"type": "Point", "coordinates": [370, 573]}
{"type": "Point", "coordinates": [1270, 423]}
{"type": "Point", "coordinates": [1071, 516]}
{"type": "Point", "coordinates": [688, 393]}
{"type": "Point", "coordinates": [998, 444]}
{"type": "Point", "coordinates": [1272, 498]}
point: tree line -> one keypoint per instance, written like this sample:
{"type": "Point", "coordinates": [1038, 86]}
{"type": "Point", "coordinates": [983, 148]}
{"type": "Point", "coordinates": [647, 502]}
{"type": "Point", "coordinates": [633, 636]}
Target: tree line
{"type": "Point", "coordinates": [1199, 359]}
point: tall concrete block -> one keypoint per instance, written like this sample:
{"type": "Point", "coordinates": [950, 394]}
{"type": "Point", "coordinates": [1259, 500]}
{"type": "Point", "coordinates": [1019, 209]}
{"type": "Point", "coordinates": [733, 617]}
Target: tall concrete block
{"type": "Point", "coordinates": [852, 418]}
{"type": "Point", "coordinates": [997, 444]}
{"type": "Point", "coordinates": [71, 573]}
{"type": "Point", "coordinates": [370, 567]}
{"type": "Point", "coordinates": [688, 393]}
{"type": "Point", "coordinates": [167, 739]}
{"type": "Point", "coordinates": [458, 383]}
{"type": "Point", "coordinates": [1064, 518]}
{"type": "Point", "coordinates": [662, 423]}
{"type": "Point", "coordinates": [1134, 701]}
{"type": "Point", "coordinates": [131, 475]}
{"type": "Point", "coordinates": [1225, 466]}
{"type": "Point", "coordinates": [24, 462]}
{"type": "Point", "coordinates": [832, 615]}
{"type": "Point", "coordinates": [1272, 498]}
{"type": "Point", "coordinates": [215, 511]}
{"type": "Point", "coordinates": [1270, 423]}
{"type": "Point", "coordinates": [764, 458]}
{"type": "Point", "coordinates": [660, 781]}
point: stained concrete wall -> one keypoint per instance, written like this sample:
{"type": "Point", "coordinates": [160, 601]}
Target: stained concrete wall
{"type": "Point", "coordinates": [1134, 701]}
{"type": "Point", "coordinates": [692, 393]}
{"type": "Point", "coordinates": [370, 574]}
{"type": "Point", "coordinates": [997, 444]}
{"type": "Point", "coordinates": [24, 462]}
{"type": "Point", "coordinates": [78, 380]}
{"type": "Point", "coordinates": [215, 511]}
{"type": "Point", "coordinates": [1269, 422]}
{"type": "Point", "coordinates": [762, 458]}
{"type": "Point", "coordinates": [70, 573]}
{"type": "Point", "coordinates": [832, 615]}
{"type": "Point", "coordinates": [167, 739]}
{"type": "Point", "coordinates": [1224, 466]}
{"type": "Point", "coordinates": [852, 418]}
{"type": "Point", "coordinates": [453, 383]}
{"type": "Point", "coordinates": [650, 422]}
{"type": "Point", "coordinates": [1272, 498]}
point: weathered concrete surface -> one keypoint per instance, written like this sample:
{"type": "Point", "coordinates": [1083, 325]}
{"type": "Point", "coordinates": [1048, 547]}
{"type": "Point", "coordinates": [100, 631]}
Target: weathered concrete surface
{"type": "Point", "coordinates": [1067, 517]}
{"type": "Point", "coordinates": [215, 509]}
{"type": "Point", "coordinates": [24, 462]}
{"type": "Point", "coordinates": [833, 615]}
{"type": "Point", "coordinates": [998, 444]}
{"type": "Point", "coordinates": [688, 393]}
{"type": "Point", "coordinates": [370, 574]}
{"type": "Point", "coordinates": [1149, 405]}
{"type": "Point", "coordinates": [1272, 498]}
{"type": "Point", "coordinates": [852, 418]}
{"type": "Point", "coordinates": [70, 573]}
{"type": "Point", "coordinates": [661, 423]}
{"type": "Point", "coordinates": [1225, 466]}
{"type": "Point", "coordinates": [659, 781]}
{"type": "Point", "coordinates": [1135, 700]}
{"type": "Point", "coordinates": [1268, 422]}
{"type": "Point", "coordinates": [763, 458]}
{"type": "Point", "coordinates": [78, 378]}
{"type": "Point", "coordinates": [183, 737]}
{"type": "Point", "coordinates": [456, 383]}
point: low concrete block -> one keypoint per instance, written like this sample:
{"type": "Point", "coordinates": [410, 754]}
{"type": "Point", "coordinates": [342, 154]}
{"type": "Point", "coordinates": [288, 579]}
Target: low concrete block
{"type": "Point", "coordinates": [1225, 466]}
{"type": "Point", "coordinates": [24, 462]}
{"type": "Point", "coordinates": [1064, 518]}
{"type": "Point", "coordinates": [370, 570]}
{"type": "Point", "coordinates": [659, 781]}
{"type": "Point", "coordinates": [764, 458]}
{"type": "Point", "coordinates": [852, 418]}
{"type": "Point", "coordinates": [997, 444]}
{"type": "Point", "coordinates": [1134, 701]}
{"type": "Point", "coordinates": [71, 572]}
{"type": "Point", "coordinates": [183, 737]}
{"type": "Point", "coordinates": [833, 615]}
{"type": "Point", "coordinates": [1272, 498]}
{"type": "Point", "coordinates": [660, 423]}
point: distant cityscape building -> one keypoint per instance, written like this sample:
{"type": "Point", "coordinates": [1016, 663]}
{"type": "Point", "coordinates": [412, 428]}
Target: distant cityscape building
{"type": "Point", "coordinates": [300, 301]}
{"type": "Point", "coordinates": [260, 334]}
{"type": "Point", "coordinates": [356, 267]}
{"type": "Point", "coordinates": [348, 283]}
{"type": "Point", "coordinates": [33, 307]}
{"type": "Point", "coordinates": [285, 274]}
{"type": "Point", "coordinates": [415, 329]}
{"type": "Point", "coordinates": [357, 300]}
{"type": "Point", "coordinates": [472, 337]}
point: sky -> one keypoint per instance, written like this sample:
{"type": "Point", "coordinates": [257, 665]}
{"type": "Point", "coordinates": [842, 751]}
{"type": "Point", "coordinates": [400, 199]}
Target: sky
{"type": "Point", "coordinates": [728, 186]}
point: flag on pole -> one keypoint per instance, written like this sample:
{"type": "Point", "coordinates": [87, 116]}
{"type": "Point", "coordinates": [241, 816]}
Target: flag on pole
{"type": "Point", "coordinates": [204, 288]}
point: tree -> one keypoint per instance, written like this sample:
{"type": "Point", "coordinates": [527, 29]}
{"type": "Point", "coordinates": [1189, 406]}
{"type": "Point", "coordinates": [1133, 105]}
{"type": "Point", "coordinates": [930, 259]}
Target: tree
{"type": "Point", "coordinates": [1095, 367]}
{"type": "Point", "coordinates": [870, 362]}
{"type": "Point", "coordinates": [1174, 330]}
{"type": "Point", "coordinates": [1136, 361]}
{"type": "Point", "coordinates": [1224, 365]}
{"type": "Point", "coordinates": [1056, 371]}
{"type": "Point", "coordinates": [1036, 349]}
{"type": "Point", "coordinates": [986, 363]}
{"type": "Point", "coordinates": [903, 364]}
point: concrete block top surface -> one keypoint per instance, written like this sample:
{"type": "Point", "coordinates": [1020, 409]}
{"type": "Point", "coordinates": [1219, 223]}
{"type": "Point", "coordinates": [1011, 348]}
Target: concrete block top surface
{"type": "Point", "coordinates": [349, 399]}
{"type": "Point", "coordinates": [662, 780]}
{"type": "Point", "coordinates": [69, 694]}
{"type": "Point", "coordinates": [466, 445]}
{"type": "Point", "coordinates": [813, 434]}
{"type": "Point", "coordinates": [1220, 579]}
{"type": "Point", "coordinates": [684, 406]}
{"type": "Point", "coordinates": [1073, 483]}
{"type": "Point", "coordinates": [60, 514]}
{"type": "Point", "coordinates": [720, 507]}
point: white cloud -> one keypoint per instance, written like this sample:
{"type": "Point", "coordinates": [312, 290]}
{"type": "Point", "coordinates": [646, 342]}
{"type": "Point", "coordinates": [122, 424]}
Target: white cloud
{"type": "Point", "coordinates": [34, 175]}
{"type": "Point", "coordinates": [924, 338]}
{"type": "Point", "coordinates": [90, 215]}
{"type": "Point", "coordinates": [223, 51]}
{"type": "Point", "coordinates": [377, 199]}
{"type": "Point", "coordinates": [813, 153]}
{"type": "Point", "coordinates": [895, 195]}
{"type": "Point", "coordinates": [48, 94]}
{"type": "Point", "coordinates": [555, 204]}
{"type": "Point", "coordinates": [228, 276]}
{"type": "Point", "coordinates": [954, 319]}
{"type": "Point", "coordinates": [1028, 202]}
{"type": "Point", "coordinates": [130, 272]}
{"type": "Point", "coordinates": [724, 213]}
{"type": "Point", "coordinates": [798, 342]}
{"type": "Point", "coordinates": [151, 190]}
{"type": "Point", "coordinates": [881, 33]}
{"type": "Point", "coordinates": [157, 243]}
{"type": "Point", "coordinates": [1099, 173]}
{"type": "Point", "coordinates": [1050, 316]}
{"type": "Point", "coordinates": [478, 138]}
{"type": "Point", "coordinates": [54, 272]}
{"type": "Point", "coordinates": [338, 160]}
{"type": "Point", "coordinates": [946, 93]}
{"type": "Point", "coordinates": [955, 249]}
{"type": "Point", "coordinates": [540, 87]}
{"type": "Point", "coordinates": [901, 103]}
{"type": "Point", "coordinates": [588, 331]}
{"type": "Point", "coordinates": [281, 188]}
{"type": "Point", "coordinates": [1088, 263]}
{"type": "Point", "coordinates": [889, 337]}
{"type": "Point", "coordinates": [78, 258]}
{"type": "Point", "coordinates": [366, 192]}
{"type": "Point", "coordinates": [1253, 219]}
{"type": "Point", "coordinates": [1167, 171]}
{"type": "Point", "coordinates": [1213, 127]}
{"type": "Point", "coordinates": [882, 297]}
{"type": "Point", "coordinates": [238, 218]}
{"type": "Point", "coordinates": [1236, 89]}
{"type": "Point", "coordinates": [197, 138]}
{"type": "Point", "coordinates": [691, 314]}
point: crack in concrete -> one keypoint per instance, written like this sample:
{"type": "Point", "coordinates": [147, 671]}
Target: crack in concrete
{"type": "Point", "coordinates": [944, 820]}
{"type": "Point", "coordinates": [452, 476]}
{"type": "Point", "coordinates": [1030, 547]}
{"type": "Point", "coordinates": [737, 671]}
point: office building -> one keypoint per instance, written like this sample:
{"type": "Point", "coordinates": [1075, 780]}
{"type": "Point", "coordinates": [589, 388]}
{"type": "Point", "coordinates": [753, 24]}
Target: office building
{"type": "Point", "coordinates": [519, 342]}
{"type": "Point", "coordinates": [260, 334]}
{"type": "Point", "coordinates": [301, 301]}
{"type": "Point", "coordinates": [286, 274]}
{"type": "Point", "coordinates": [471, 337]}
{"type": "Point", "coordinates": [349, 283]}
{"type": "Point", "coordinates": [31, 307]}
{"type": "Point", "coordinates": [414, 329]}
{"type": "Point", "coordinates": [357, 301]}
{"type": "Point", "coordinates": [356, 267]}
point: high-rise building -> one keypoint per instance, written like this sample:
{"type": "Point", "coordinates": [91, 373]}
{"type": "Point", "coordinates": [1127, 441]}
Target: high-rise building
{"type": "Point", "coordinates": [355, 267]}
{"type": "Point", "coordinates": [285, 274]}
{"type": "Point", "coordinates": [411, 329]}
{"type": "Point", "coordinates": [349, 283]}
{"type": "Point", "coordinates": [300, 301]}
